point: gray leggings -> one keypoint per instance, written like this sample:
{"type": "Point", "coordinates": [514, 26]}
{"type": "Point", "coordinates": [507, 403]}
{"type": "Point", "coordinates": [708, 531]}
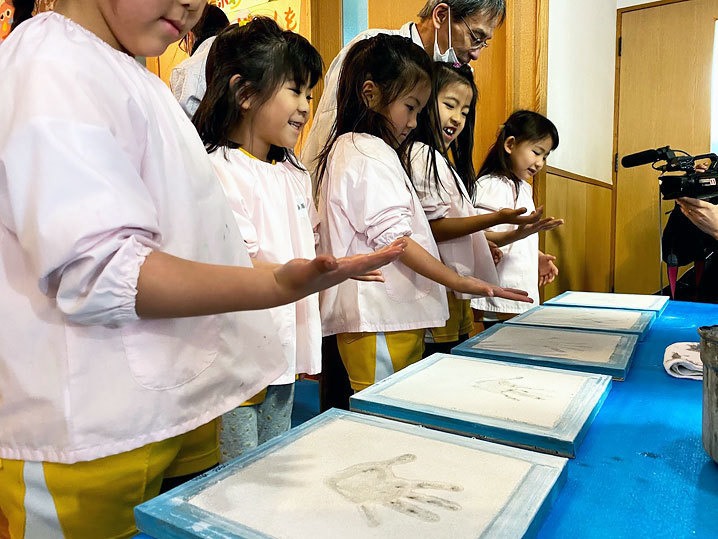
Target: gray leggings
{"type": "Point", "coordinates": [247, 427]}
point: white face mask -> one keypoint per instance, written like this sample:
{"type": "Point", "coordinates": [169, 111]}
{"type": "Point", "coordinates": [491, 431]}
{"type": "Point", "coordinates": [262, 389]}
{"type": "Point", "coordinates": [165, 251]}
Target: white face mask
{"type": "Point", "coordinates": [448, 56]}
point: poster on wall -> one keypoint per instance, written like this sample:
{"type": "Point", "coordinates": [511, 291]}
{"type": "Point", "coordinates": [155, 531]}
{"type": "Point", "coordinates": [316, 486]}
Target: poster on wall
{"type": "Point", "coordinates": [6, 13]}
{"type": "Point", "coordinates": [286, 13]}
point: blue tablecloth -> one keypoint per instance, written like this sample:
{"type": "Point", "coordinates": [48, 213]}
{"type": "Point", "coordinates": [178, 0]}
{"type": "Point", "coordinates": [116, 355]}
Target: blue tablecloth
{"type": "Point", "coordinates": [641, 470]}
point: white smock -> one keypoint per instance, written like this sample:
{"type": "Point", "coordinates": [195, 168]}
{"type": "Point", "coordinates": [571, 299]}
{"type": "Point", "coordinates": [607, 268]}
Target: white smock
{"type": "Point", "coordinates": [468, 255]}
{"type": "Point", "coordinates": [326, 111]}
{"type": "Point", "coordinates": [187, 79]}
{"type": "Point", "coordinates": [275, 212]}
{"type": "Point", "coordinates": [519, 266]}
{"type": "Point", "coordinates": [99, 166]}
{"type": "Point", "coordinates": [366, 203]}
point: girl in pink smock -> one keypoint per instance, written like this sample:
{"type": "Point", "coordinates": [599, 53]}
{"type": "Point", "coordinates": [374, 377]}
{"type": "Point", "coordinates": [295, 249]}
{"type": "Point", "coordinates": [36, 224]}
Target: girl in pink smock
{"type": "Point", "coordinates": [257, 102]}
{"type": "Point", "coordinates": [121, 273]}
{"type": "Point", "coordinates": [367, 200]}
{"type": "Point", "coordinates": [520, 151]}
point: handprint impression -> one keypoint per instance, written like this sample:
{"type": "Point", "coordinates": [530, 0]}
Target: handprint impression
{"type": "Point", "coordinates": [509, 388]}
{"type": "Point", "coordinates": [374, 483]}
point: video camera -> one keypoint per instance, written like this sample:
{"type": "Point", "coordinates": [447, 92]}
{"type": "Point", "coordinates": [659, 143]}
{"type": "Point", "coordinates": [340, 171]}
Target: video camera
{"type": "Point", "coordinates": [703, 185]}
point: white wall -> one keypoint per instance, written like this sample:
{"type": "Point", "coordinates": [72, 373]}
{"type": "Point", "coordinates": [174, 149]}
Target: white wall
{"type": "Point", "coordinates": [629, 3]}
{"type": "Point", "coordinates": [581, 73]}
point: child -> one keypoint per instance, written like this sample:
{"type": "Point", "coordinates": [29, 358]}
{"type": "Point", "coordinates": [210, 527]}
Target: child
{"type": "Point", "coordinates": [367, 200]}
{"type": "Point", "coordinates": [446, 199]}
{"type": "Point", "coordinates": [187, 80]}
{"type": "Point", "coordinates": [113, 232]}
{"type": "Point", "coordinates": [257, 103]}
{"type": "Point", "coordinates": [520, 151]}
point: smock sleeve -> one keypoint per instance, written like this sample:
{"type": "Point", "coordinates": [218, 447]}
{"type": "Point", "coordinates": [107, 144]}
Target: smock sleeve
{"type": "Point", "coordinates": [187, 80]}
{"type": "Point", "coordinates": [312, 208]}
{"type": "Point", "coordinates": [435, 200]}
{"type": "Point", "coordinates": [376, 200]}
{"type": "Point", "coordinates": [493, 193]}
{"type": "Point", "coordinates": [72, 193]}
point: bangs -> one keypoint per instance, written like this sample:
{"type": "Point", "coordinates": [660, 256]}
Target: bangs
{"type": "Point", "coordinates": [302, 62]}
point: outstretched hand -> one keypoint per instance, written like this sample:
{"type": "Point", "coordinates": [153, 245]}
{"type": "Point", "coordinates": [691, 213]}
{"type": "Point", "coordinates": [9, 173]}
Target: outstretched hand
{"type": "Point", "coordinates": [517, 216]}
{"type": "Point", "coordinates": [539, 224]}
{"type": "Point", "coordinates": [477, 287]}
{"type": "Point", "coordinates": [301, 277]}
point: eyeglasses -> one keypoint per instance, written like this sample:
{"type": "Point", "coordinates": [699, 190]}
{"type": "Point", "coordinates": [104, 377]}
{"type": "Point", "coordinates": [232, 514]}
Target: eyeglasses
{"type": "Point", "coordinates": [477, 43]}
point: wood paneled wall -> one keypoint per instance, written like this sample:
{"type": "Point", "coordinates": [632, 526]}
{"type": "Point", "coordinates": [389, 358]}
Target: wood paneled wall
{"type": "Point", "coordinates": [583, 244]}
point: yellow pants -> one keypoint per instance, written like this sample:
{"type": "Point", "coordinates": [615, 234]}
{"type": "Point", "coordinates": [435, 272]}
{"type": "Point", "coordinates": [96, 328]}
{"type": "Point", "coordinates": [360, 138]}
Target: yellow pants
{"type": "Point", "coordinates": [479, 320]}
{"type": "Point", "coordinates": [370, 357]}
{"type": "Point", "coordinates": [96, 498]}
{"type": "Point", "coordinates": [460, 322]}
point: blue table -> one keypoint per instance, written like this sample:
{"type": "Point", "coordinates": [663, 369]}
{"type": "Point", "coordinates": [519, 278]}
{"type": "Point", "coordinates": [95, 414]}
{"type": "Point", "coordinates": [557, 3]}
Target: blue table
{"type": "Point", "coordinates": [641, 470]}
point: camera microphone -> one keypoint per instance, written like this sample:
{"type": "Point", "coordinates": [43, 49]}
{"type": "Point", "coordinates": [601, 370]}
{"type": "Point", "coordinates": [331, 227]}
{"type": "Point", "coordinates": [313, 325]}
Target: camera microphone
{"type": "Point", "coordinates": [640, 158]}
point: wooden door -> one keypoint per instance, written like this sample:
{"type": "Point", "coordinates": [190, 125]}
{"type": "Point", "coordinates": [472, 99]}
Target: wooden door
{"type": "Point", "coordinates": [663, 99]}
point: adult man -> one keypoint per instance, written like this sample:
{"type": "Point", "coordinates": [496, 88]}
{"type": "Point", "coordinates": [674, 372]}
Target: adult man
{"type": "Point", "coordinates": [448, 30]}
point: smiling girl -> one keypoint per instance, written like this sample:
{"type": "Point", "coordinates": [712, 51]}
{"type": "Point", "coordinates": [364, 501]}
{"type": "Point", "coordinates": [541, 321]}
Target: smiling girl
{"type": "Point", "coordinates": [445, 192]}
{"type": "Point", "coordinates": [259, 85]}
{"type": "Point", "coordinates": [520, 151]}
{"type": "Point", "coordinates": [367, 199]}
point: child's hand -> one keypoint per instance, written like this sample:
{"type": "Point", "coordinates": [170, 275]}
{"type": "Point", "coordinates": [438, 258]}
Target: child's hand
{"type": "Point", "coordinates": [477, 287]}
{"type": "Point", "coordinates": [516, 217]}
{"type": "Point", "coordinates": [547, 269]}
{"type": "Point", "coordinates": [539, 224]}
{"type": "Point", "coordinates": [496, 253]}
{"type": "Point", "coordinates": [370, 276]}
{"type": "Point", "coordinates": [301, 277]}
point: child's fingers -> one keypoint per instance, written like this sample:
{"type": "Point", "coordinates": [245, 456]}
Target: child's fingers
{"type": "Point", "coordinates": [527, 219]}
{"type": "Point", "coordinates": [549, 224]}
{"type": "Point", "coordinates": [513, 294]}
{"type": "Point", "coordinates": [370, 276]}
{"type": "Point", "coordinates": [516, 291]}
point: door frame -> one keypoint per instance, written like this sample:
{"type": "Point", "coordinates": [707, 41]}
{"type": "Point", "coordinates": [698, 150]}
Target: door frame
{"type": "Point", "coordinates": [616, 107]}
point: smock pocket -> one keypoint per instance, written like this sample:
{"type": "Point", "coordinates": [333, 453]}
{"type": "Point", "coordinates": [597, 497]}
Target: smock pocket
{"type": "Point", "coordinates": [164, 354]}
{"type": "Point", "coordinates": [403, 284]}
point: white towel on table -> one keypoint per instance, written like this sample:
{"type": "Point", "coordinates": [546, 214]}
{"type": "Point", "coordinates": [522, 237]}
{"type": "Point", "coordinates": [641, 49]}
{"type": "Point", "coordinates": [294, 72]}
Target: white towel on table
{"type": "Point", "coordinates": [683, 360]}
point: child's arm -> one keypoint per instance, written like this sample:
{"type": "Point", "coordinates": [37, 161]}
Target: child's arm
{"type": "Point", "coordinates": [170, 287]}
{"type": "Point", "coordinates": [450, 228]}
{"type": "Point", "coordinates": [423, 263]}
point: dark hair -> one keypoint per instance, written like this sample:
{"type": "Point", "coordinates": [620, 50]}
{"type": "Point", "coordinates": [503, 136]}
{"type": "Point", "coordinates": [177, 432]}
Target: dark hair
{"type": "Point", "coordinates": [265, 57]}
{"type": "Point", "coordinates": [459, 154]}
{"type": "Point", "coordinates": [212, 21]}
{"type": "Point", "coordinates": [523, 125]}
{"type": "Point", "coordinates": [494, 9]}
{"type": "Point", "coordinates": [23, 11]}
{"type": "Point", "coordinates": [396, 65]}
